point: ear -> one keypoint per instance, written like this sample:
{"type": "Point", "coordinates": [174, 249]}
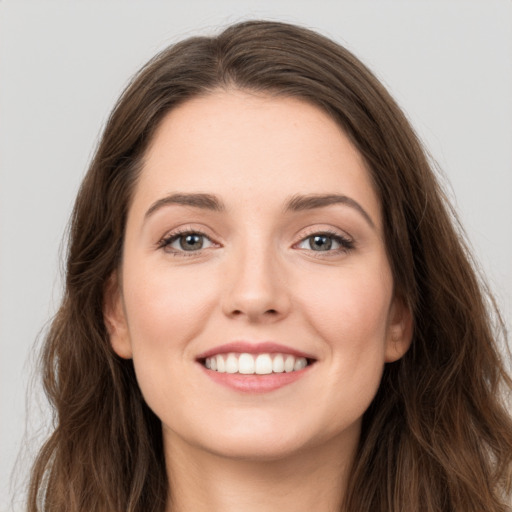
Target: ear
{"type": "Point", "coordinates": [400, 329]}
{"type": "Point", "coordinates": [114, 316]}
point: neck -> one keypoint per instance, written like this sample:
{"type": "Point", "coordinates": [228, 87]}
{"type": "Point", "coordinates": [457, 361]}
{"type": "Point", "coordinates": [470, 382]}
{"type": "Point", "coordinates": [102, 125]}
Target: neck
{"type": "Point", "coordinates": [314, 479]}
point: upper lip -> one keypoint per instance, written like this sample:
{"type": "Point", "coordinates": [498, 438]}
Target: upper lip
{"type": "Point", "coordinates": [246, 347]}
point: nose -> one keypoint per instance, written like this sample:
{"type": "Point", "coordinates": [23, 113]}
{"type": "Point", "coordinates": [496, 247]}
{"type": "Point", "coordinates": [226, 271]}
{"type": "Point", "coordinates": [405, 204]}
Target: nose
{"type": "Point", "coordinates": [256, 287]}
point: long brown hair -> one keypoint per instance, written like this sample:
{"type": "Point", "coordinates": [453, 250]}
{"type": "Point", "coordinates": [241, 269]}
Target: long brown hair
{"type": "Point", "coordinates": [437, 436]}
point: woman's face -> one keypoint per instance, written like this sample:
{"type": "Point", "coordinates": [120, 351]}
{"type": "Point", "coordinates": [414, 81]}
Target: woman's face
{"type": "Point", "coordinates": [254, 245]}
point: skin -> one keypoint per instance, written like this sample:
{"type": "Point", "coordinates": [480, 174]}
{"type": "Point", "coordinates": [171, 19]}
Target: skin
{"type": "Point", "coordinates": [257, 278]}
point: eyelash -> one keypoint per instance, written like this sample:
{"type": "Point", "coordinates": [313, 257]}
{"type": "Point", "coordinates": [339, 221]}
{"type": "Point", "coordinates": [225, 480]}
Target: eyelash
{"type": "Point", "coordinates": [166, 242]}
{"type": "Point", "coordinates": [346, 244]}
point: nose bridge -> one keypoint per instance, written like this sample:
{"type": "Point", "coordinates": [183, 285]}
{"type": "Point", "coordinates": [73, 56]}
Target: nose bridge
{"type": "Point", "coordinates": [256, 287]}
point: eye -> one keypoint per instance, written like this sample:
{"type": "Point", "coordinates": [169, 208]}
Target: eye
{"type": "Point", "coordinates": [325, 242]}
{"type": "Point", "coordinates": [190, 241]}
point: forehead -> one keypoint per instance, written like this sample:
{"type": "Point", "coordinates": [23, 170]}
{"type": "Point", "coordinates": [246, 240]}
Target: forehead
{"type": "Point", "coordinates": [240, 145]}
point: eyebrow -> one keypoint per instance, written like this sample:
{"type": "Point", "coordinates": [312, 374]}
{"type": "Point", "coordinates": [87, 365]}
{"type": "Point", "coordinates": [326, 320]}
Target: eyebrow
{"type": "Point", "coordinates": [297, 203]}
{"type": "Point", "coordinates": [312, 201]}
{"type": "Point", "coordinates": [203, 201]}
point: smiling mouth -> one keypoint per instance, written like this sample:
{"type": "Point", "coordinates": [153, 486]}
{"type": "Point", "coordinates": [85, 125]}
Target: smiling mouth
{"type": "Point", "coordinates": [255, 364]}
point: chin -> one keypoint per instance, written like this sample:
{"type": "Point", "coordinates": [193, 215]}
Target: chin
{"type": "Point", "coordinates": [257, 448]}
{"type": "Point", "coordinates": [264, 438]}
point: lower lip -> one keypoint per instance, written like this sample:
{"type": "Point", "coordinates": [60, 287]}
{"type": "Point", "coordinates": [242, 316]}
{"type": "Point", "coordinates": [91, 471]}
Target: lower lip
{"type": "Point", "coordinates": [255, 383]}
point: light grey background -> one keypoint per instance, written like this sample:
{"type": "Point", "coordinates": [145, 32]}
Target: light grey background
{"type": "Point", "coordinates": [63, 64]}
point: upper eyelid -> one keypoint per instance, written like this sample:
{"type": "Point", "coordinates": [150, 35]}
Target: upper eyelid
{"type": "Point", "coordinates": [317, 230]}
{"type": "Point", "coordinates": [186, 229]}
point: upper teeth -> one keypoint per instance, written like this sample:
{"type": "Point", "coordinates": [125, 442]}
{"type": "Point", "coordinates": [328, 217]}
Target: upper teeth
{"type": "Point", "coordinates": [250, 364]}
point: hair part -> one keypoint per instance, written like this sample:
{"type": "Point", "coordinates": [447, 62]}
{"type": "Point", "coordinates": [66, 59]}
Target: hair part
{"type": "Point", "coordinates": [437, 436]}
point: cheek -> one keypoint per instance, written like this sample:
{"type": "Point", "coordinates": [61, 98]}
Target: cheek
{"type": "Point", "coordinates": [351, 299]}
{"type": "Point", "coordinates": [350, 313]}
{"type": "Point", "coordinates": [166, 306]}
{"type": "Point", "coordinates": [166, 310]}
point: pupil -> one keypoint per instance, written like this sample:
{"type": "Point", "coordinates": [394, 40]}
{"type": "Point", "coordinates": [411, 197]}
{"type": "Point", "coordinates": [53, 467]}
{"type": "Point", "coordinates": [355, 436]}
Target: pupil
{"type": "Point", "coordinates": [322, 243]}
{"type": "Point", "coordinates": [191, 242]}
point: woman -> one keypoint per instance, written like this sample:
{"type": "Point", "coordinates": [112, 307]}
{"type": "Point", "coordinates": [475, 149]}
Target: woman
{"type": "Point", "coordinates": [267, 305]}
